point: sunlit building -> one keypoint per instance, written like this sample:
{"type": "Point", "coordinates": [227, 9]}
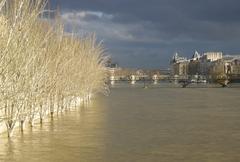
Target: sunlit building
{"type": "Point", "coordinates": [179, 66]}
{"type": "Point", "coordinates": [211, 56]}
{"type": "Point", "coordinates": [207, 66]}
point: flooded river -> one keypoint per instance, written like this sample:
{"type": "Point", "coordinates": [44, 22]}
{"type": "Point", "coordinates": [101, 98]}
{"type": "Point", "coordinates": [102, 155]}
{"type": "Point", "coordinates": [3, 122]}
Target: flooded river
{"type": "Point", "coordinates": [132, 124]}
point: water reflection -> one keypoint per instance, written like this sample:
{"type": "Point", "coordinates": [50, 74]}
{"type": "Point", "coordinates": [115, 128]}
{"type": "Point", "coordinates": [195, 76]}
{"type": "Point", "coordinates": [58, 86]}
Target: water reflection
{"type": "Point", "coordinates": [135, 124]}
{"type": "Point", "coordinates": [71, 136]}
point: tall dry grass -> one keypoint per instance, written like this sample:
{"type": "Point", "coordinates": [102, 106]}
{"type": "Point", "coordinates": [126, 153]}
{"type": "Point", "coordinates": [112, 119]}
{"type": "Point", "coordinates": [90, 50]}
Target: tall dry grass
{"type": "Point", "coordinates": [43, 71]}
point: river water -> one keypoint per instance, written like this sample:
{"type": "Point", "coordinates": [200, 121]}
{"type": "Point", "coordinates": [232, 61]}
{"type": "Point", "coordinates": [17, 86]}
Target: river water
{"type": "Point", "coordinates": [157, 124]}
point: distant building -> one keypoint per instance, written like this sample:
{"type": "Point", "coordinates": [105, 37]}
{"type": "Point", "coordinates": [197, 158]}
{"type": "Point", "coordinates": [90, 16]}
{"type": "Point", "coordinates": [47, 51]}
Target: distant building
{"type": "Point", "coordinates": [235, 67]}
{"type": "Point", "coordinates": [110, 64]}
{"type": "Point", "coordinates": [211, 56]}
{"type": "Point", "coordinates": [177, 59]}
{"type": "Point", "coordinates": [198, 65]}
{"type": "Point", "coordinates": [196, 56]}
{"type": "Point", "coordinates": [179, 66]}
{"type": "Point", "coordinates": [227, 66]}
{"type": "Point", "coordinates": [194, 67]}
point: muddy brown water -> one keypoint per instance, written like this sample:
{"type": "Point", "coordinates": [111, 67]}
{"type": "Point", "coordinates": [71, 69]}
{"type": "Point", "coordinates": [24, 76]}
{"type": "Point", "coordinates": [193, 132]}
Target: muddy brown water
{"type": "Point", "coordinates": [132, 124]}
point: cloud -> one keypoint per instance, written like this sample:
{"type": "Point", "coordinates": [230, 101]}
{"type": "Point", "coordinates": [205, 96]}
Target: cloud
{"type": "Point", "coordinates": [106, 28]}
{"type": "Point", "coordinates": [135, 31]}
{"type": "Point", "coordinates": [86, 15]}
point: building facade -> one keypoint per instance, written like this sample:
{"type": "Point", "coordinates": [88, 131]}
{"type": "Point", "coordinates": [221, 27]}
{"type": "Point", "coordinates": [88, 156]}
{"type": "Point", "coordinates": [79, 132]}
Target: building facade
{"type": "Point", "coordinates": [207, 66]}
{"type": "Point", "coordinates": [179, 66]}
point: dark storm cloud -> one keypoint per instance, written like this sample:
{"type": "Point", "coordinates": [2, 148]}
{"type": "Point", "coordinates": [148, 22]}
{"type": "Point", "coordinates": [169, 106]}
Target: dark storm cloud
{"type": "Point", "coordinates": [146, 33]}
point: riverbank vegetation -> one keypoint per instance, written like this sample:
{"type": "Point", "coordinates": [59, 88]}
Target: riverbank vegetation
{"type": "Point", "coordinates": [42, 70]}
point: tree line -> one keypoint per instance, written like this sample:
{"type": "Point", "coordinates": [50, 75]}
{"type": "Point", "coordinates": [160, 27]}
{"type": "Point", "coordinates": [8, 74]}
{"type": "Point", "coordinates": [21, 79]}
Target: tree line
{"type": "Point", "coordinates": [42, 69]}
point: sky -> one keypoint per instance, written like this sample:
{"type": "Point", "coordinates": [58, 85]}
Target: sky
{"type": "Point", "coordinates": [146, 33]}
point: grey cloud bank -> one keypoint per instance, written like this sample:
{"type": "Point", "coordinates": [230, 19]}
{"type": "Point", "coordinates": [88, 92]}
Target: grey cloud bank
{"type": "Point", "coordinates": [145, 34]}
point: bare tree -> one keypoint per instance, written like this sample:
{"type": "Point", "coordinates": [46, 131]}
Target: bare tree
{"type": "Point", "coordinates": [42, 70]}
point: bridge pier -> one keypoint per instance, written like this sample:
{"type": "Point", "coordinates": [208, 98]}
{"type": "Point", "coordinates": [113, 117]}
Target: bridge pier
{"type": "Point", "coordinates": [185, 83]}
{"type": "Point", "coordinates": [223, 83]}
